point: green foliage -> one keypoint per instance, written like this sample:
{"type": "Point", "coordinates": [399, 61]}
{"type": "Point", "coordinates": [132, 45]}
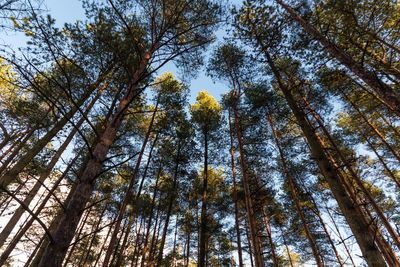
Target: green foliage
{"type": "Point", "coordinates": [206, 112]}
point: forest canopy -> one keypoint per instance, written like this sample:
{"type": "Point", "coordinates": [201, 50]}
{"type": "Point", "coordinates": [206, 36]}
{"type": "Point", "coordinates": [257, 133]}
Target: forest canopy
{"type": "Point", "coordinates": [185, 133]}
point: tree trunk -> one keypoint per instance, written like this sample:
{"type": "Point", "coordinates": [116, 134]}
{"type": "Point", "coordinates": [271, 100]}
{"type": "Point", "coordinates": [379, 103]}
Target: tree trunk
{"type": "Point", "coordinates": [372, 127]}
{"type": "Point", "coordinates": [270, 241]}
{"type": "Point", "coordinates": [293, 192]}
{"type": "Point", "coordinates": [154, 238]}
{"type": "Point", "coordinates": [318, 214]}
{"type": "Point", "coordinates": [257, 249]}
{"type": "Point", "coordinates": [56, 250]}
{"type": "Point", "coordinates": [77, 236]}
{"type": "Point", "coordinates": [339, 234]}
{"type": "Point", "coordinates": [170, 205]}
{"type": "Point", "coordinates": [251, 254]}
{"type": "Point", "coordinates": [384, 91]}
{"type": "Point", "coordinates": [350, 211]}
{"type": "Point", "coordinates": [153, 202]}
{"type": "Point", "coordinates": [43, 175]}
{"type": "Point", "coordinates": [103, 244]}
{"type": "Point", "coordinates": [356, 178]}
{"type": "Point", "coordinates": [126, 199]}
{"type": "Point", "coordinates": [124, 241]}
{"type": "Point", "coordinates": [96, 229]}
{"type": "Point", "coordinates": [6, 253]}
{"type": "Point", "coordinates": [203, 217]}
{"type": "Point", "coordinates": [12, 174]}
{"type": "Point", "coordinates": [188, 250]}
{"type": "Point", "coordinates": [237, 226]}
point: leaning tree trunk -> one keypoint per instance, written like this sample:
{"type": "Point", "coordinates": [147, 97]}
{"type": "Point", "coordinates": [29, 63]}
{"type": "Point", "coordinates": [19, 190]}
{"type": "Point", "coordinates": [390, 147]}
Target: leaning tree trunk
{"type": "Point", "coordinates": [34, 217]}
{"type": "Point", "coordinates": [355, 177]}
{"type": "Point", "coordinates": [350, 211]}
{"type": "Point", "coordinates": [318, 214]}
{"type": "Point", "coordinates": [43, 176]}
{"type": "Point", "coordinates": [170, 205]}
{"type": "Point", "coordinates": [339, 234]}
{"type": "Point", "coordinates": [56, 250]}
{"type": "Point", "coordinates": [12, 174]}
{"type": "Point", "coordinates": [294, 194]}
{"type": "Point", "coordinates": [384, 91]}
{"type": "Point", "coordinates": [257, 249]}
{"type": "Point", "coordinates": [126, 199]}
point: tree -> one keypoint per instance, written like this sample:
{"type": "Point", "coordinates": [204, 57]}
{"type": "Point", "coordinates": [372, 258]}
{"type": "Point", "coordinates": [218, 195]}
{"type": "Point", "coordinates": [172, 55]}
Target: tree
{"type": "Point", "coordinates": [206, 114]}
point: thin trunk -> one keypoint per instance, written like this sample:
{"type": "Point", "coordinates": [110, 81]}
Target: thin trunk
{"type": "Point", "coordinates": [174, 244]}
{"type": "Point", "coordinates": [342, 240]}
{"type": "Point", "coordinates": [270, 241]}
{"type": "Point", "coordinates": [384, 91]}
{"type": "Point", "coordinates": [233, 169]}
{"type": "Point", "coordinates": [187, 250]}
{"type": "Point", "coordinates": [293, 191]}
{"type": "Point", "coordinates": [154, 237]}
{"type": "Point", "coordinates": [250, 248]}
{"type": "Point", "coordinates": [318, 214]}
{"type": "Point", "coordinates": [77, 236]}
{"type": "Point", "coordinates": [126, 199]}
{"type": "Point", "coordinates": [204, 200]}
{"type": "Point", "coordinates": [286, 246]}
{"type": "Point", "coordinates": [124, 241]}
{"type": "Point", "coordinates": [135, 257]}
{"type": "Point", "coordinates": [32, 256]}
{"type": "Point", "coordinates": [103, 244]}
{"type": "Point", "coordinates": [258, 255]}
{"type": "Point", "coordinates": [14, 150]}
{"type": "Point", "coordinates": [19, 137]}
{"type": "Point", "coordinates": [153, 202]}
{"type": "Point", "coordinates": [149, 158]}
{"type": "Point", "coordinates": [115, 252]}
{"type": "Point", "coordinates": [89, 248]}
{"type": "Point", "coordinates": [170, 205]}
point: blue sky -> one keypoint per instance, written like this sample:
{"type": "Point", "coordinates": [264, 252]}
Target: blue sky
{"type": "Point", "coordinates": [65, 11]}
